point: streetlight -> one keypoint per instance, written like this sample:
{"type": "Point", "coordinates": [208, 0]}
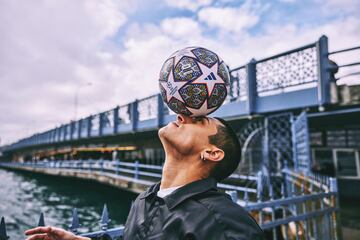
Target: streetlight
{"type": "Point", "coordinates": [76, 101]}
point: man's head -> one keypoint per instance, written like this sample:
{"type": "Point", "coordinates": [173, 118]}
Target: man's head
{"type": "Point", "coordinates": [209, 143]}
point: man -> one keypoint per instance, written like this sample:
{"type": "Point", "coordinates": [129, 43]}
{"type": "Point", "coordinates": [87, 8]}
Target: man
{"type": "Point", "coordinates": [186, 204]}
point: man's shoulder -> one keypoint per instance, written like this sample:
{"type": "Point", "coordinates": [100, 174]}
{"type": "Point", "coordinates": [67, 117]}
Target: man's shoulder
{"type": "Point", "coordinates": [220, 202]}
{"type": "Point", "coordinates": [230, 214]}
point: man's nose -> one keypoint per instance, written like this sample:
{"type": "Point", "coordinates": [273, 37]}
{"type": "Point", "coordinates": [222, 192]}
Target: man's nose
{"type": "Point", "coordinates": [183, 119]}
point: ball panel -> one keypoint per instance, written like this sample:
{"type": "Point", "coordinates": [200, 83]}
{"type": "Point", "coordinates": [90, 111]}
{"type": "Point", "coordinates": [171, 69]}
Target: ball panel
{"type": "Point", "coordinates": [223, 72]}
{"type": "Point", "coordinates": [166, 68]}
{"type": "Point", "coordinates": [186, 70]}
{"type": "Point", "coordinates": [183, 52]}
{"type": "Point", "coordinates": [217, 96]}
{"type": "Point", "coordinates": [194, 95]}
{"type": "Point", "coordinates": [205, 56]}
{"type": "Point", "coordinates": [178, 106]}
{"type": "Point", "coordinates": [163, 93]}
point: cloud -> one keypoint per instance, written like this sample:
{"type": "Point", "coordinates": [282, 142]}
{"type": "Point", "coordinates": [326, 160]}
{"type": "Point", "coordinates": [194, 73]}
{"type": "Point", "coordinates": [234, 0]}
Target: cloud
{"type": "Point", "coordinates": [232, 19]}
{"type": "Point", "coordinates": [287, 1]}
{"type": "Point", "coordinates": [191, 5]}
{"type": "Point", "coordinates": [333, 7]}
{"type": "Point", "coordinates": [181, 27]}
{"type": "Point", "coordinates": [48, 49]}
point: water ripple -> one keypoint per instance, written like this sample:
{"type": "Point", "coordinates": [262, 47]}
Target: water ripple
{"type": "Point", "coordinates": [23, 196]}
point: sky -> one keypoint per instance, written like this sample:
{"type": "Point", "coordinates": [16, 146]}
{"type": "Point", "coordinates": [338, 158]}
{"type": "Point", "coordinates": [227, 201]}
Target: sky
{"type": "Point", "coordinates": [110, 52]}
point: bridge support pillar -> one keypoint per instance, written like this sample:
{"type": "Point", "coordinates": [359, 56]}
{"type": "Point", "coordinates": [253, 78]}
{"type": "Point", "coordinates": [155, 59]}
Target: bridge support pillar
{"type": "Point", "coordinates": [323, 71]}
{"type": "Point", "coordinates": [251, 86]}
{"type": "Point", "coordinates": [80, 122]}
{"type": "Point", "coordinates": [134, 115]}
{"type": "Point", "coordinates": [160, 112]}
{"type": "Point", "coordinates": [116, 119]}
{"type": "Point", "coordinates": [101, 123]}
{"type": "Point", "coordinates": [88, 119]}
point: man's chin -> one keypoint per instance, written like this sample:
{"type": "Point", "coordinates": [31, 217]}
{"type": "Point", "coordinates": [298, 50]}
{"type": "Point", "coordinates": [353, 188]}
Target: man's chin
{"type": "Point", "coordinates": [162, 132]}
{"type": "Point", "coordinates": [166, 134]}
{"type": "Point", "coordinates": [164, 137]}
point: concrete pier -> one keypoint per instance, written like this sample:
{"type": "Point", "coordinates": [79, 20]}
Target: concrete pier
{"type": "Point", "coordinates": [119, 181]}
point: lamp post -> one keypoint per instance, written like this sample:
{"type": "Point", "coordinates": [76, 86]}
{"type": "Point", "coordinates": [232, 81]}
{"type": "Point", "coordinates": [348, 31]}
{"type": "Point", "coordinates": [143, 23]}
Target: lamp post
{"type": "Point", "coordinates": [76, 100]}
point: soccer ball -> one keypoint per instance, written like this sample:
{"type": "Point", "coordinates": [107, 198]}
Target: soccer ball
{"type": "Point", "coordinates": [194, 81]}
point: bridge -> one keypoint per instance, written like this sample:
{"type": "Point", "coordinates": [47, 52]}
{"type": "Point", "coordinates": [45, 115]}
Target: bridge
{"type": "Point", "coordinates": [265, 103]}
{"type": "Point", "coordinates": [288, 112]}
{"type": "Point", "coordinates": [295, 79]}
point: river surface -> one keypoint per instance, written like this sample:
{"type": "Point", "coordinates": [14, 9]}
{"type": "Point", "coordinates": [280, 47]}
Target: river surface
{"type": "Point", "coordinates": [23, 196]}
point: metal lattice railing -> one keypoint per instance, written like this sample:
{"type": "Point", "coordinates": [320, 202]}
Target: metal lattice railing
{"type": "Point", "coordinates": [124, 114]}
{"type": "Point", "coordinates": [95, 125]}
{"type": "Point", "coordinates": [148, 108]}
{"type": "Point", "coordinates": [108, 119]}
{"type": "Point", "coordinates": [287, 71]}
{"type": "Point", "coordinates": [238, 84]}
{"type": "Point", "coordinates": [279, 141]}
{"type": "Point", "coordinates": [84, 128]}
{"type": "Point", "coordinates": [68, 132]}
{"type": "Point", "coordinates": [75, 130]}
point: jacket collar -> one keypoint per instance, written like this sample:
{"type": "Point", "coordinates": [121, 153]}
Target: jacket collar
{"type": "Point", "coordinates": [184, 192]}
{"type": "Point", "coordinates": [152, 190]}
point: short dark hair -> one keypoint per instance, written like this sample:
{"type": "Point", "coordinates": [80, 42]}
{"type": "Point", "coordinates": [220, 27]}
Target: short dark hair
{"type": "Point", "coordinates": [226, 140]}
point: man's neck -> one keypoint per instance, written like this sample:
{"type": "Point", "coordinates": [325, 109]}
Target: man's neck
{"type": "Point", "coordinates": [178, 172]}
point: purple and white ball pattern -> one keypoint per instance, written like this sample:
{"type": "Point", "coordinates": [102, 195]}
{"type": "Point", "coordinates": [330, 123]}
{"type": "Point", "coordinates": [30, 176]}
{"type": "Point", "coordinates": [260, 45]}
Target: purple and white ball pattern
{"type": "Point", "coordinates": [194, 81]}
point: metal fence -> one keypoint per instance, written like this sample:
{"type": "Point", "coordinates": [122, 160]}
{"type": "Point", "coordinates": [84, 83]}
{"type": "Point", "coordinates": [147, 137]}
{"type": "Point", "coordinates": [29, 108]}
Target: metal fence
{"type": "Point", "coordinates": [307, 207]}
{"type": "Point", "coordinates": [103, 233]}
{"type": "Point", "coordinates": [133, 171]}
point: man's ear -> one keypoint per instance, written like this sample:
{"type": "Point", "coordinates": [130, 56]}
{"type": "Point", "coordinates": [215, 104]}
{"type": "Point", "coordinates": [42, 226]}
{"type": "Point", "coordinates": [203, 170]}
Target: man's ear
{"type": "Point", "coordinates": [213, 154]}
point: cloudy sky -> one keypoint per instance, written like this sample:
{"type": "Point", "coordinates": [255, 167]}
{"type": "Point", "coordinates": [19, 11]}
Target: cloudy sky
{"type": "Point", "coordinates": [51, 49]}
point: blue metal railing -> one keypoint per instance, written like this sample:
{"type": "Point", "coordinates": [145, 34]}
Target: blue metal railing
{"type": "Point", "coordinates": [103, 233]}
{"type": "Point", "coordinates": [257, 87]}
{"type": "Point", "coordinates": [134, 171]}
{"type": "Point", "coordinates": [335, 67]}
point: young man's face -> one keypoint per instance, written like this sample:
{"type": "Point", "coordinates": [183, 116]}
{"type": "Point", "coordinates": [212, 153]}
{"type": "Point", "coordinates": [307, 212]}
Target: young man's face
{"type": "Point", "coordinates": [188, 135]}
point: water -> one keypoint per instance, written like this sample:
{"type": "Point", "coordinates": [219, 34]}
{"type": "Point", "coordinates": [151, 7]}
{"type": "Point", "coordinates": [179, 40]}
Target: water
{"type": "Point", "coordinates": [23, 196]}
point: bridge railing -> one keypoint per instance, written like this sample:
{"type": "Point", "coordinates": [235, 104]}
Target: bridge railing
{"type": "Point", "coordinates": [257, 87]}
{"type": "Point", "coordinates": [104, 231]}
{"type": "Point", "coordinates": [289, 71]}
{"type": "Point", "coordinates": [307, 207]}
{"type": "Point", "coordinates": [246, 185]}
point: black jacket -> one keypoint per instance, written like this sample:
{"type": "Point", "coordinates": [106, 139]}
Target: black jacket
{"type": "Point", "coordinates": [195, 211]}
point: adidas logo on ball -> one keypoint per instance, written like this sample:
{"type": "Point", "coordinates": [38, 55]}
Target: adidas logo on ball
{"type": "Point", "coordinates": [211, 76]}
